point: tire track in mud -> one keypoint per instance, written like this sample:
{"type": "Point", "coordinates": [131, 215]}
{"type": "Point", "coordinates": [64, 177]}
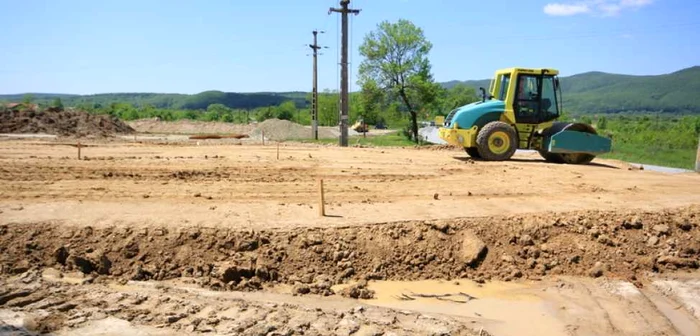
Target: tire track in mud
{"type": "Point", "coordinates": [58, 306]}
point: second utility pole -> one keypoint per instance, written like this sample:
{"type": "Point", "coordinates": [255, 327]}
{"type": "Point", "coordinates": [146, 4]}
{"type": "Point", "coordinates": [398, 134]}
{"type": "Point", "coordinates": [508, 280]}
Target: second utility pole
{"type": "Point", "coordinates": [344, 69]}
{"type": "Point", "coordinates": [314, 93]}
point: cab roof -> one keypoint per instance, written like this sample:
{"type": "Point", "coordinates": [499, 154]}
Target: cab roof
{"type": "Point", "coordinates": [535, 71]}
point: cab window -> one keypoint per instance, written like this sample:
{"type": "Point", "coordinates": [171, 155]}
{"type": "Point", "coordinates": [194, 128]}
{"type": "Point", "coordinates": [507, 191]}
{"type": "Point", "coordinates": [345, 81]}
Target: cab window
{"type": "Point", "coordinates": [505, 81]}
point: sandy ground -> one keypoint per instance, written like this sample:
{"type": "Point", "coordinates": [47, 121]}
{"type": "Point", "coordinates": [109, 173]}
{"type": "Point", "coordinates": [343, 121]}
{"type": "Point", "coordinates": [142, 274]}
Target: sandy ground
{"type": "Point", "coordinates": [175, 237]}
{"type": "Point", "coordinates": [247, 186]}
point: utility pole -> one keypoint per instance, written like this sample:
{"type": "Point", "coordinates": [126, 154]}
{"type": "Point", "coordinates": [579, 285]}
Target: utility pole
{"type": "Point", "coordinates": [314, 93]}
{"type": "Point", "coordinates": [344, 106]}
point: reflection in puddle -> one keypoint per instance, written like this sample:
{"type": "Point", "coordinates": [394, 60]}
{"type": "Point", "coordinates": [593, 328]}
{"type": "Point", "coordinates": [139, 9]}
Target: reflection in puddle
{"type": "Point", "coordinates": [503, 308]}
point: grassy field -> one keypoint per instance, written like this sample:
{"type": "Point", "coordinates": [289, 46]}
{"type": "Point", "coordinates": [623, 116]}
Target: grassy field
{"type": "Point", "coordinates": [676, 158]}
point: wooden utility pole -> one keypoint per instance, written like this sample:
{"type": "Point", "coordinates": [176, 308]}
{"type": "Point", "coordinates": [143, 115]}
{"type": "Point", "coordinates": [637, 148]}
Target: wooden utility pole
{"type": "Point", "coordinates": [344, 106]}
{"type": "Point", "coordinates": [314, 93]}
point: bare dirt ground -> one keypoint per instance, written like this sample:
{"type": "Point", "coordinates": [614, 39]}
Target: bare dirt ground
{"type": "Point", "coordinates": [169, 238]}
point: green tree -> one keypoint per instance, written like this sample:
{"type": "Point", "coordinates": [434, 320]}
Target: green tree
{"type": "Point", "coordinates": [57, 104]}
{"type": "Point", "coordinates": [264, 114]}
{"type": "Point", "coordinates": [396, 61]}
{"type": "Point", "coordinates": [215, 112]}
{"type": "Point", "coordinates": [371, 98]}
{"type": "Point", "coordinates": [328, 111]}
{"type": "Point", "coordinates": [27, 98]}
{"type": "Point", "coordinates": [286, 110]}
{"type": "Point", "coordinates": [459, 95]}
{"type": "Point", "coordinates": [602, 123]}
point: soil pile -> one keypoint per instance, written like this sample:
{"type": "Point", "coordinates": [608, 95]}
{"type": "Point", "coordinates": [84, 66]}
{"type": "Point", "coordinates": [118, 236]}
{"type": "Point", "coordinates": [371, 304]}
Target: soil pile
{"type": "Point", "coordinates": [279, 130]}
{"type": "Point", "coordinates": [63, 123]}
{"type": "Point", "coordinates": [188, 127]}
{"type": "Point", "coordinates": [610, 244]}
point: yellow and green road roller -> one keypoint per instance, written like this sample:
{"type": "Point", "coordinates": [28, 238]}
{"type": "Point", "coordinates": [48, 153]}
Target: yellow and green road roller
{"type": "Point", "coordinates": [520, 111]}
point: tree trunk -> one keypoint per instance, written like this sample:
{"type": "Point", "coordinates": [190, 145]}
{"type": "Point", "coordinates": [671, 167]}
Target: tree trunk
{"type": "Point", "coordinates": [414, 115]}
{"type": "Point", "coordinates": [414, 125]}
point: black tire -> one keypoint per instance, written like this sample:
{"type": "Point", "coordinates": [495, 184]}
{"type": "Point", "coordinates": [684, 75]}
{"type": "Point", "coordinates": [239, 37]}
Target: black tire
{"type": "Point", "coordinates": [498, 134]}
{"type": "Point", "coordinates": [473, 152]}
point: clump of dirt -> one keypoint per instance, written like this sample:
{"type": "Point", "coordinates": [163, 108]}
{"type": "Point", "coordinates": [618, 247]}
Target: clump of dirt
{"type": "Point", "coordinates": [358, 291]}
{"type": "Point", "coordinates": [279, 130]}
{"type": "Point", "coordinates": [616, 245]}
{"type": "Point", "coordinates": [63, 123]}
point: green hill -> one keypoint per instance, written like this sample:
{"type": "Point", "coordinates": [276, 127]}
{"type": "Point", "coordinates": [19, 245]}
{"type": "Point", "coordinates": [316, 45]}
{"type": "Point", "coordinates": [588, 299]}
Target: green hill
{"type": "Point", "coordinates": [591, 92]}
{"type": "Point", "coordinates": [198, 101]}
{"type": "Point", "coordinates": [599, 92]}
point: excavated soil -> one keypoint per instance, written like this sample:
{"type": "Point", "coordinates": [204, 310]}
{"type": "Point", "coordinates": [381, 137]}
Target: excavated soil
{"type": "Point", "coordinates": [588, 243]}
{"type": "Point", "coordinates": [63, 123]}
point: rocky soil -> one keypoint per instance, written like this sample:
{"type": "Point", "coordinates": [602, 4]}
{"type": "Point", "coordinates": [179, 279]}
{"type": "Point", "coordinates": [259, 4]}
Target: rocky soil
{"type": "Point", "coordinates": [615, 245]}
{"type": "Point", "coordinates": [63, 123]}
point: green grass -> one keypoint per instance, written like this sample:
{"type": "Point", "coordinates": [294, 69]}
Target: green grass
{"type": "Point", "coordinates": [386, 140]}
{"type": "Point", "coordinates": [676, 158]}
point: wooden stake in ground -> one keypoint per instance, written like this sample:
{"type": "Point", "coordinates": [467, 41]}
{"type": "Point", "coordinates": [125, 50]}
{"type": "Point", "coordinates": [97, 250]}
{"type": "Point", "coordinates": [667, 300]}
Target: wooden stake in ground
{"type": "Point", "coordinates": [79, 150]}
{"type": "Point", "coordinates": [263, 137]}
{"type": "Point", "coordinates": [321, 202]}
{"type": "Point", "coordinates": [278, 150]}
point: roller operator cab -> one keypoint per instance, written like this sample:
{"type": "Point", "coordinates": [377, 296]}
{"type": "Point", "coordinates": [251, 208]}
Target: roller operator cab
{"type": "Point", "coordinates": [519, 111]}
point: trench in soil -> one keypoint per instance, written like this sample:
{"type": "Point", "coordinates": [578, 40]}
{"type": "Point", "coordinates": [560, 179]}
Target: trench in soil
{"type": "Point", "coordinates": [591, 243]}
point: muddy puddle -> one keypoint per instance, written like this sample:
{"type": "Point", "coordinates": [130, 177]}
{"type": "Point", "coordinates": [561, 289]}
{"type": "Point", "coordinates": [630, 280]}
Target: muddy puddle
{"type": "Point", "coordinates": [565, 306]}
{"type": "Point", "coordinates": [502, 308]}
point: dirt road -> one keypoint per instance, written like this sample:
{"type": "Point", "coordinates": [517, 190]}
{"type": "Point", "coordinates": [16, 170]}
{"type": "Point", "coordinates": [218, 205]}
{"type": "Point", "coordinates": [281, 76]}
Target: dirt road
{"type": "Point", "coordinates": [146, 225]}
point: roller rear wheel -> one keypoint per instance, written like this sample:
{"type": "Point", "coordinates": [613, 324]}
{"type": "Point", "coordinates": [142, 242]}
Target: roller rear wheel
{"type": "Point", "coordinates": [568, 158]}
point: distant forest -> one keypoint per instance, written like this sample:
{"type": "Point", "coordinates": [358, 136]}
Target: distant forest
{"type": "Point", "coordinates": [587, 93]}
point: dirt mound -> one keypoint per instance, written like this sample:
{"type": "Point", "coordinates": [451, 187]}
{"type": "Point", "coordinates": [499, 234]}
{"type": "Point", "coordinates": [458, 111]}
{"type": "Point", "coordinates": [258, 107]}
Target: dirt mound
{"type": "Point", "coordinates": [63, 123]}
{"type": "Point", "coordinates": [506, 248]}
{"type": "Point", "coordinates": [188, 127]}
{"type": "Point", "coordinates": [279, 130]}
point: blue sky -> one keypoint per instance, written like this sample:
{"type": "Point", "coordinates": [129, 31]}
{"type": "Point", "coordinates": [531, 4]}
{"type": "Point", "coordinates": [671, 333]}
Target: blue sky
{"type": "Point", "coordinates": [177, 46]}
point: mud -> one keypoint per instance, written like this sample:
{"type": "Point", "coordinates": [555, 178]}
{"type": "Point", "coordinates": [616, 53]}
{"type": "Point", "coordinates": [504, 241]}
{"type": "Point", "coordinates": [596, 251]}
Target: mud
{"type": "Point", "coordinates": [51, 304]}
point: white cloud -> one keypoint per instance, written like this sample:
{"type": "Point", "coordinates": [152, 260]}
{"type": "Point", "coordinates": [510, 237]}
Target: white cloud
{"type": "Point", "coordinates": [557, 9]}
{"type": "Point", "coordinates": [594, 7]}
